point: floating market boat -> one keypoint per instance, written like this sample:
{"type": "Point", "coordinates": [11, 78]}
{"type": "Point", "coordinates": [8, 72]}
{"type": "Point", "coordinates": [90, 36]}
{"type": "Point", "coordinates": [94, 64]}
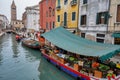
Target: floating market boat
{"type": "Point", "coordinates": [79, 57]}
{"type": "Point", "coordinates": [31, 43]}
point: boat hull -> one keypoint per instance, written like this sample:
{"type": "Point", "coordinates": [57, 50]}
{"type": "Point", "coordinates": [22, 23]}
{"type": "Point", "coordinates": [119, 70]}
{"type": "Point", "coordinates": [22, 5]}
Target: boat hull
{"type": "Point", "coordinates": [72, 72]}
{"type": "Point", "coordinates": [30, 46]}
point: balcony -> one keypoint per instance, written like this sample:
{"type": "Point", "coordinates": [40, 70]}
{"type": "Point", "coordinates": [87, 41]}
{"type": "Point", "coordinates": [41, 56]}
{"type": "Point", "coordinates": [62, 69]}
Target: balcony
{"type": "Point", "coordinates": [73, 2]}
{"type": "Point", "coordinates": [58, 8]}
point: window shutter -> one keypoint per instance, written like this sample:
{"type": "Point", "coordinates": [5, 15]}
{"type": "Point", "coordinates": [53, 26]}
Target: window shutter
{"type": "Point", "coordinates": [84, 1]}
{"type": "Point", "coordinates": [58, 2]}
{"type": "Point", "coordinates": [106, 17]}
{"type": "Point", "coordinates": [97, 18]}
{"type": "Point", "coordinates": [81, 20]}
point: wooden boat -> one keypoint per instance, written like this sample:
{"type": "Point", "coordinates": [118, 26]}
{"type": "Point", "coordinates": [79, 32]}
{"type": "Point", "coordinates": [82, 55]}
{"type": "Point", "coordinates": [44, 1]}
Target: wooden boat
{"type": "Point", "coordinates": [31, 43]}
{"type": "Point", "coordinates": [81, 65]}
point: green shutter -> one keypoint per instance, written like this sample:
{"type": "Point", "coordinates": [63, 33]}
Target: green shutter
{"type": "Point", "coordinates": [73, 16]}
{"type": "Point", "coordinates": [58, 2]}
{"type": "Point", "coordinates": [81, 20]}
{"type": "Point", "coordinates": [58, 18]}
{"type": "Point", "coordinates": [84, 1]}
{"type": "Point", "coordinates": [97, 18]}
{"type": "Point", "coordinates": [106, 17]}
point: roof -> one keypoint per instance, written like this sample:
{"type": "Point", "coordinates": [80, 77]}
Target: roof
{"type": "Point", "coordinates": [13, 4]}
{"type": "Point", "coordinates": [75, 44]}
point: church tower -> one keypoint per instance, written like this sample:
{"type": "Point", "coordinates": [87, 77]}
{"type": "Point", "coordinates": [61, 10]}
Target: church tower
{"type": "Point", "coordinates": [13, 11]}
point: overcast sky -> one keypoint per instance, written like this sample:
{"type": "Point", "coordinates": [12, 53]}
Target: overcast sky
{"type": "Point", "coordinates": [20, 4]}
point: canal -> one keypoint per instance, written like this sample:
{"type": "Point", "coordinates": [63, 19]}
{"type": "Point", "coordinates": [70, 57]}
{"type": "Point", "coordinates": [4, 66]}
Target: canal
{"type": "Point", "coordinates": [20, 63]}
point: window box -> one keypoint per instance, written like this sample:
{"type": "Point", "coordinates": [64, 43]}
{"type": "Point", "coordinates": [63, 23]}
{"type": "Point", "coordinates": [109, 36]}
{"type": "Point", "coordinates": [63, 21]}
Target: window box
{"type": "Point", "coordinates": [58, 7]}
{"type": "Point", "coordinates": [73, 2]}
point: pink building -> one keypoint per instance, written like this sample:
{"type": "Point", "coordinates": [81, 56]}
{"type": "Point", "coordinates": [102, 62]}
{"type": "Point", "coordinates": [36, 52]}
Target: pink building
{"type": "Point", "coordinates": [47, 14]}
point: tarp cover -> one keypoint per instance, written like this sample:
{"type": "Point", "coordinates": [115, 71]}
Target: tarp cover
{"type": "Point", "coordinates": [70, 42]}
{"type": "Point", "coordinates": [116, 35]}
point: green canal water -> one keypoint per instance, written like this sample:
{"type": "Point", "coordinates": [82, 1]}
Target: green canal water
{"type": "Point", "coordinates": [20, 63]}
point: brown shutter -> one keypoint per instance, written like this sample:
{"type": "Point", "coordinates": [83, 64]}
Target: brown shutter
{"type": "Point", "coordinates": [118, 13]}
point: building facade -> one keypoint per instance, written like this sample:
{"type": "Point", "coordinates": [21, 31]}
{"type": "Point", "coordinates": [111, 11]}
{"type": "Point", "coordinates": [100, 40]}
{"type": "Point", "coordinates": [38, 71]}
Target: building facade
{"type": "Point", "coordinates": [32, 18]}
{"type": "Point", "coordinates": [17, 25]}
{"type": "Point", "coordinates": [114, 21]}
{"type": "Point", "coordinates": [67, 13]}
{"type": "Point", "coordinates": [24, 19]}
{"type": "Point", "coordinates": [47, 14]}
{"type": "Point", "coordinates": [93, 20]}
{"type": "Point", "coordinates": [4, 23]}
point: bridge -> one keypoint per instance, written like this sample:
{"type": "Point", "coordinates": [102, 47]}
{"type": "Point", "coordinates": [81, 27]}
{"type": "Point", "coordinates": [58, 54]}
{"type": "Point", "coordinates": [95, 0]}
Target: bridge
{"type": "Point", "coordinates": [10, 31]}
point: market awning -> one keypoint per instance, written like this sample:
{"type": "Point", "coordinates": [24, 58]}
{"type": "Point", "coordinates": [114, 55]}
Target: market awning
{"type": "Point", "coordinates": [75, 44]}
{"type": "Point", "coordinates": [116, 35]}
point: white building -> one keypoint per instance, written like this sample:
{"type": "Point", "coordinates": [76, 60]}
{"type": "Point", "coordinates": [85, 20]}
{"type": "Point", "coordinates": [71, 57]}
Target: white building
{"type": "Point", "coordinates": [32, 18]}
{"type": "Point", "coordinates": [4, 23]}
{"type": "Point", "coordinates": [93, 19]}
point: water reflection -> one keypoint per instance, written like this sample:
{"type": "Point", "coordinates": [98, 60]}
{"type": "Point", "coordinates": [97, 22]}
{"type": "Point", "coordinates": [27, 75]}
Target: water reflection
{"type": "Point", "coordinates": [50, 72]}
{"type": "Point", "coordinates": [15, 49]}
{"type": "Point", "coordinates": [21, 63]}
{"type": "Point", "coordinates": [31, 55]}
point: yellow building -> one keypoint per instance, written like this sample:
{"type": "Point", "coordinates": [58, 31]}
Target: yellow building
{"type": "Point", "coordinates": [67, 14]}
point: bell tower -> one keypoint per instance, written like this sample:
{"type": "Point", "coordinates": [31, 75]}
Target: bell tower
{"type": "Point", "coordinates": [13, 11]}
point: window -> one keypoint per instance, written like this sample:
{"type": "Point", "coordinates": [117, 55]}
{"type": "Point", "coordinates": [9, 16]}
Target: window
{"type": "Point", "coordinates": [46, 14]}
{"type": "Point", "coordinates": [99, 40]}
{"type": "Point", "coordinates": [58, 18]}
{"type": "Point", "coordinates": [102, 18]}
{"type": "Point", "coordinates": [53, 26]}
{"type": "Point", "coordinates": [118, 13]}
{"type": "Point", "coordinates": [83, 20]}
{"type": "Point", "coordinates": [84, 1]}
{"type": "Point", "coordinates": [100, 35]}
{"type": "Point", "coordinates": [73, 16]}
{"type": "Point", "coordinates": [117, 41]}
{"type": "Point", "coordinates": [53, 12]}
{"type": "Point", "coordinates": [83, 35]}
{"type": "Point", "coordinates": [50, 26]}
{"type": "Point", "coordinates": [50, 11]}
{"type": "Point", "coordinates": [47, 25]}
{"type": "Point", "coordinates": [65, 2]}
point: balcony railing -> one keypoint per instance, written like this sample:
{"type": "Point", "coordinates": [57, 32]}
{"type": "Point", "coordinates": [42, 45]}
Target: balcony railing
{"type": "Point", "coordinates": [73, 2]}
{"type": "Point", "coordinates": [58, 7]}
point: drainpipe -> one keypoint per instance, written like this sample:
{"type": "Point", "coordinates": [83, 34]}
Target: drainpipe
{"type": "Point", "coordinates": [78, 17]}
{"type": "Point", "coordinates": [109, 15]}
